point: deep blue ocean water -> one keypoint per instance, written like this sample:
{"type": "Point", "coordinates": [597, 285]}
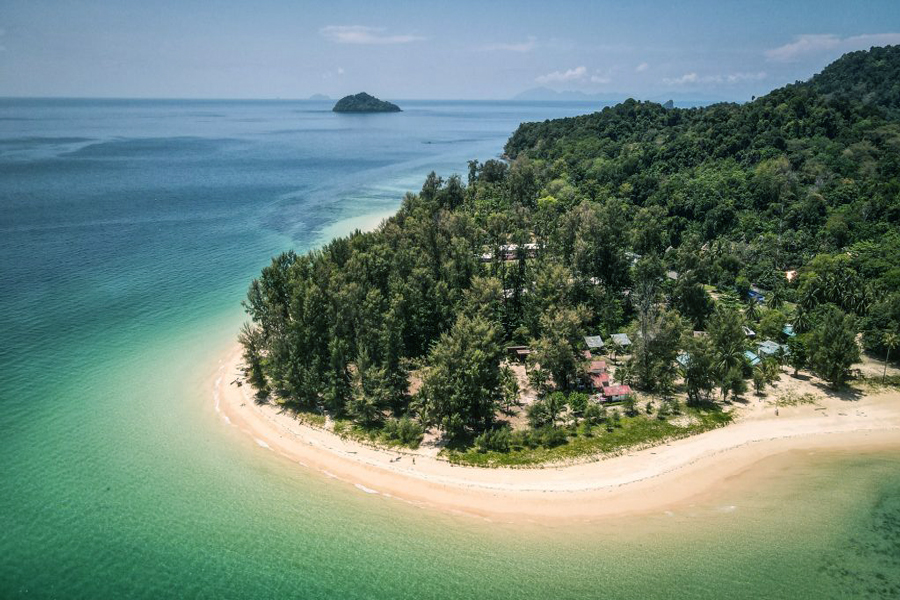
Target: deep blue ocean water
{"type": "Point", "coordinates": [129, 231]}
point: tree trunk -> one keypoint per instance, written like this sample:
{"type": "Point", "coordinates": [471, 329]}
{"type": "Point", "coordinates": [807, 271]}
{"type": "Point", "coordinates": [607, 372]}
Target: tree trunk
{"type": "Point", "coordinates": [887, 357]}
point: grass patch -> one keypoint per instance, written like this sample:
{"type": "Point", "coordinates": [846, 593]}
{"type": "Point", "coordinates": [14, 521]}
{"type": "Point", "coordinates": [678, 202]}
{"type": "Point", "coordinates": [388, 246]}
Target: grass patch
{"type": "Point", "coordinates": [793, 399]}
{"type": "Point", "coordinates": [311, 418]}
{"type": "Point", "coordinates": [875, 384]}
{"type": "Point", "coordinates": [634, 432]}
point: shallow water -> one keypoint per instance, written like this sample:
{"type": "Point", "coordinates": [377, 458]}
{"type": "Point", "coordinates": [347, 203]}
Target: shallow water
{"type": "Point", "coordinates": [128, 234]}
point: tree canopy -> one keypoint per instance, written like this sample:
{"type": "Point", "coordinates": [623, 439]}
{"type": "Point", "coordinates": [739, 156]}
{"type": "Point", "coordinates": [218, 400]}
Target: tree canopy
{"type": "Point", "coordinates": [620, 220]}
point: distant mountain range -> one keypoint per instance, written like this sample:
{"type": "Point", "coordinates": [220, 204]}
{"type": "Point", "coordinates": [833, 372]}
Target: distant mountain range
{"type": "Point", "coordinates": [319, 97]}
{"type": "Point", "coordinates": [543, 94]}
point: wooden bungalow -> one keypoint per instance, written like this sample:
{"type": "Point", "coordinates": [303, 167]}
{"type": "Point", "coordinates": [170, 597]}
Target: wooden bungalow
{"type": "Point", "coordinates": [621, 339]}
{"type": "Point", "coordinates": [599, 381]}
{"type": "Point", "coordinates": [615, 393]}
{"type": "Point", "coordinates": [593, 342]}
{"type": "Point", "coordinates": [597, 366]}
{"type": "Point", "coordinates": [518, 353]}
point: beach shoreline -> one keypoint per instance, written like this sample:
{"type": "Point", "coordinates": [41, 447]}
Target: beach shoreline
{"type": "Point", "coordinates": [651, 480]}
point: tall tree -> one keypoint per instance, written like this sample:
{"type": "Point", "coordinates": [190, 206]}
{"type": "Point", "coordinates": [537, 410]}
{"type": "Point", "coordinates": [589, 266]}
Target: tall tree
{"type": "Point", "coordinates": [832, 344]}
{"type": "Point", "coordinates": [726, 334]}
{"type": "Point", "coordinates": [251, 338]}
{"type": "Point", "coordinates": [461, 388]}
{"type": "Point", "coordinates": [797, 354]}
{"type": "Point", "coordinates": [691, 299]}
{"type": "Point", "coordinates": [699, 371]}
{"type": "Point", "coordinates": [557, 350]}
{"type": "Point", "coordinates": [653, 357]}
{"type": "Point", "coordinates": [891, 341]}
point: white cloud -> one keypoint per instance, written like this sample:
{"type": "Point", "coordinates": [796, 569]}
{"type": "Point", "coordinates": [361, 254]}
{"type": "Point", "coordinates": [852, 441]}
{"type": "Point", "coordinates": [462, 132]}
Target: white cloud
{"type": "Point", "coordinates": [526, 46]}
{"type": "Point", "coordinates": [597, 78]}
{"type": "Point", "coordinates": [360, 34]}
{"type": "Point", "coordinates": [576, 74]}
{"type": "Point", "coordinates": [738, 77]}
{"type": "Point", "coordinates": [693, 77]}
{"type": "Point", "coordinates": [641, 67]}
{"type": "Point", "coordinates": [816, 44]}
{"type": "Point", "coordinates": [686, 78]}
{"type": "Point", "coordinates": [340, 70]}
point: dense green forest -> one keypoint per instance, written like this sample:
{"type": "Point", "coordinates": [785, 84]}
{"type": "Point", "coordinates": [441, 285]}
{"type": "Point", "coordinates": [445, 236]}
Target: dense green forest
{"type": "Point", "coordinates": [659, 222]}
{"type": "Point", "coordinates": [364, 103]}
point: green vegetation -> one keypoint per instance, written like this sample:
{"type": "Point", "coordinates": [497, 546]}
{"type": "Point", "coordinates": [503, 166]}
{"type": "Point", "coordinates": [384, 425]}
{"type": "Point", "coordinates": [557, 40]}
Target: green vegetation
{"type": "Point", "coordinates": [833, 345]}
{"type": "Point", "coordinates": [793, 399]}
{"type": "Point", "coordinates": [529, 448]}
{"type": "Point", "coordinates": [633, 219]}
{"type": "Point", "coordinates": [309, 417]}
{"type": "Point", "coordinates": [404, 432]}
{"type": "Point", "coordinates": [364, 103]}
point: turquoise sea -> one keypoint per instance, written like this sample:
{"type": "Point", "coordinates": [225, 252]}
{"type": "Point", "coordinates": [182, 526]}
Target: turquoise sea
{"type": "Point", "coordinates": [129, 231]}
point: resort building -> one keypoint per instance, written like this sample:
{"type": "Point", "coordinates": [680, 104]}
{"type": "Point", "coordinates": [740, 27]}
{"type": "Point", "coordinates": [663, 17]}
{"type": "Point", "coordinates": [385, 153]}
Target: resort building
{"type": "Point", "coordinates": [751, 357]}
{"type": "Point", "coordinates": [621, 339]}
{"type": "Point", "coordinates": [593, 342]}
{"type": "Point", "coordinates": [615, 393]}
{"type": "Point", "coordinates": [770, 348]}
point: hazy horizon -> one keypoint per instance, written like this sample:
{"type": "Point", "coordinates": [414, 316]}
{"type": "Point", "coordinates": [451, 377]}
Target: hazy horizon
{"type": "Point", "coordinates": [278, 49]}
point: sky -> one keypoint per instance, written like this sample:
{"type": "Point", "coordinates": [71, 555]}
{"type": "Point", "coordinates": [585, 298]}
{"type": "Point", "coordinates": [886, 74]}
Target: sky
{"type": "Point", "coordinates": [422, 49]}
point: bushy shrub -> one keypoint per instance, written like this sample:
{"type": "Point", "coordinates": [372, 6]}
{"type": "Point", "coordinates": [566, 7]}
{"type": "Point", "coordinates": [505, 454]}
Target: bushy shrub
{"type": "Point", "coordinates": [552, 436]}
{"type": "Point", "coordinates": [404, 430]}
{"type": "Point", "coordinates": [586, 429]}
{"type": "Point", "coordinates": [577, 402]}
{"type": "Point", "coordinates": [519, 440]}
{"type": "Point", "coordinates": [630, 405]}
{"type": "Point", "coordinates": [497, 440]}
{"type": "Point", "coordinates": [539, 414]}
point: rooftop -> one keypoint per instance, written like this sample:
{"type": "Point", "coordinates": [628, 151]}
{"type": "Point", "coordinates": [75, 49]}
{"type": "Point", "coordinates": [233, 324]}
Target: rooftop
{"type": "Point", "coordinates": [616, 390]}
{"type": "Point", "coordinates": [597, 366]}
{"type": "Point", "coordinates": [751, 357]}
{"type": "Point", "coordinates": [593, 341]}
{"type": "Point", "coordinates": [621, 339]}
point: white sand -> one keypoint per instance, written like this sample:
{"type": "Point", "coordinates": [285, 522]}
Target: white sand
{"type": "Point", "coordinates": [646, 480]}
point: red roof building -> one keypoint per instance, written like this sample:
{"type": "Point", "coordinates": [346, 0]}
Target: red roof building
{"type": "Point", "coordinates": [614, 393]}
{"type": "Point", "coordinates": [599, 380]}
{"type": "Point", "coordinates": [597, 366]}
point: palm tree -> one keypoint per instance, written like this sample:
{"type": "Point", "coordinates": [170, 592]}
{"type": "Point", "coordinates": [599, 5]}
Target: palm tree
{"type": "Point", "coordinates": [752, 310]}
{"type": "Point", "coordinates": [771, 369]}
{"type": "Point", "coordinates": [555, 403]}
{"type": "Point", "coordinates": [809, 296]}
{"type": "Point", "coordinates": [890, 340]}
{"type": "Point", "coordinates": [776, 297]}
{"type": "Point", "coordinates": [615, 349]}
{"type": "Point", "coordinates": [539, 378]}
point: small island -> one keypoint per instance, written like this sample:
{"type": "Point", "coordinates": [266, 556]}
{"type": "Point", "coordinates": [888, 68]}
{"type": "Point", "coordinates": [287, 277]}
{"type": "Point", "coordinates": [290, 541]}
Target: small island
{"type": "Point", "coordinates": [364, 103]}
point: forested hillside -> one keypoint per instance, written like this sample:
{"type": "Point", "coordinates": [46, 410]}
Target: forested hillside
{"type": "Point", "coordinates": [621, 220]}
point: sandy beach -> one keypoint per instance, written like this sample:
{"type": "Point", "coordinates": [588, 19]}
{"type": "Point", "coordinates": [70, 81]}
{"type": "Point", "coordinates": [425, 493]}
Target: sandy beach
{"type": "Point", "coordinates": [656, 479]}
